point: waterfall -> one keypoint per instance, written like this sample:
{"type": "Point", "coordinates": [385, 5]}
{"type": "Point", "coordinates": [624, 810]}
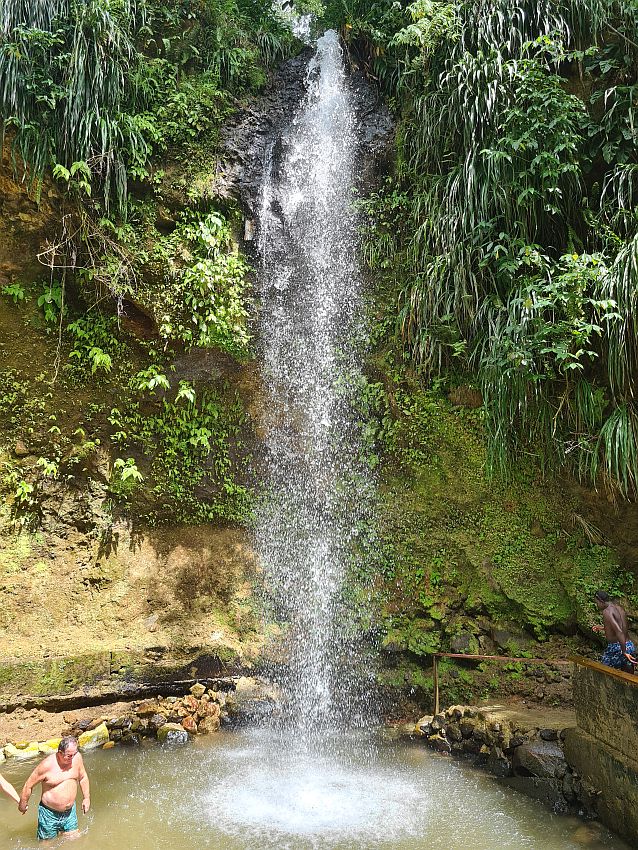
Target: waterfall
{"type": "Point", "coordinates": [310, 291]}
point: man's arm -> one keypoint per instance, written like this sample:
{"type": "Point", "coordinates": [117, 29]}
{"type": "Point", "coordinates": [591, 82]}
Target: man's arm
{"type": "Point", "coordinates": [84, 785]}
{"type": "Point", "coordinates": [8, 789]}
{"type": "Point", "coordinates": [28, 787]}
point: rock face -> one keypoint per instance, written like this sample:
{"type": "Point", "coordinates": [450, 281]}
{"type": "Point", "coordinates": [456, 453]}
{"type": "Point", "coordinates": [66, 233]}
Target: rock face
{"type": "Point", "coordinates": [173, 719]}
{"type": "Point", "coordinates": [182, 574]}
{"type": "Point", "coordinates": [251, 701]}
{"type": "Point", "coordinates": [245, 142]}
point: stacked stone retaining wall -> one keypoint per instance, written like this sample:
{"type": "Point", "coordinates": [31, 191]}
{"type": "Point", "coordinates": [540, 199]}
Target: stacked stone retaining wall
{"type": "Point", "coordinates": [527, 757]}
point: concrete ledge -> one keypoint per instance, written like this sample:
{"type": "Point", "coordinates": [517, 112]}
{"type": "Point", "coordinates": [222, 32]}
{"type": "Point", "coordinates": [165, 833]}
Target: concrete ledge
{"type": "Point", "coordinates": [606, 705]}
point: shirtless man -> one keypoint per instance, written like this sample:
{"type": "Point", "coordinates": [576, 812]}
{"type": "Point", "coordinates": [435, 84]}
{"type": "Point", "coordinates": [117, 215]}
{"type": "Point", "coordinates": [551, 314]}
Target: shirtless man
{"type": "Point", "coordinates": [59, 774]}
{"type": "Point", "coordinates": [620, 650]}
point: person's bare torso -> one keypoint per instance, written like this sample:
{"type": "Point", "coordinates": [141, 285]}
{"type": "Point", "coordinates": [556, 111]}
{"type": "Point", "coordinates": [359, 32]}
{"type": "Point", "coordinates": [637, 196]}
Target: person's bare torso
{"type": "Point", "coordinates": [59, 786]}
{"type": "Point", "coordinates": [615, 619]}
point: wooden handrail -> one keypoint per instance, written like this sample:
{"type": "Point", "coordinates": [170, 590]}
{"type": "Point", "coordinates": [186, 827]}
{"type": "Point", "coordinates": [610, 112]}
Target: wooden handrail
{"type": "Point", "coordinates": [628, 678]}
{"type": "Point", "coordinates": [503, 658]}
{"type": "Point", "coordinates": [437, 655]}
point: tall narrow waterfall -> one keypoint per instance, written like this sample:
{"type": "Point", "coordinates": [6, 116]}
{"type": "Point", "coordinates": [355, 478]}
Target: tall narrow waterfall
{"type": "Point", "coordinates": [310, 294]}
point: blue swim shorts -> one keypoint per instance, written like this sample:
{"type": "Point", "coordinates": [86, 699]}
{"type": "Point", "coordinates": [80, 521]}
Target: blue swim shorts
{"type": "Point", "coordinates": [613, 657]}
{"type": "Point", "coordinates": [50, 822]}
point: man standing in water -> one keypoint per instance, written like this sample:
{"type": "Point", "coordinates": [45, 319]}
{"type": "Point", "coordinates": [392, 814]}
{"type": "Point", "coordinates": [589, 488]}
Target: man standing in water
{"type": "Point", "coordinates": [59, 774]}
{"type": "Point", "coordinates": [620, 650]}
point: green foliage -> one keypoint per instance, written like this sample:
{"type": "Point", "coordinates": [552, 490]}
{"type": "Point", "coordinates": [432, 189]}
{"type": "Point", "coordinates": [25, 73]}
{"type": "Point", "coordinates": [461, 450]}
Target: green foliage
{"type": "Point", "coordinates": [24, 493]}
{"type": "Point", "coordinates": [93, 337]}
{"type": "Point", "coordinates": [511, 221]}
{"type": "Point", "coordinates": [86, 87]}
{"type": "Point", "coordinates": [50, 468]}
{"type": "Point", "coordinates": [77, 178]}
{"type": "Point", "coordinates": [202, 302]}
{"type": "Point", "coordinates": [188, 435]}
{"type": "Point", "coordinates": [51, 302]}
{"type": "Point", "coordinates": [14, 291]}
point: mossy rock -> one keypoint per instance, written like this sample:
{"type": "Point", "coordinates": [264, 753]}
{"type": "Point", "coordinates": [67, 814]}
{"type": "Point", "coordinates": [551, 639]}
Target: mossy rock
{"type": "Point", "coordinates": [22, 753]}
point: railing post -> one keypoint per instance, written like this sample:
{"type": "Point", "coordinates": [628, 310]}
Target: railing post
{"type": "Point", "coordinates": [435, 670]}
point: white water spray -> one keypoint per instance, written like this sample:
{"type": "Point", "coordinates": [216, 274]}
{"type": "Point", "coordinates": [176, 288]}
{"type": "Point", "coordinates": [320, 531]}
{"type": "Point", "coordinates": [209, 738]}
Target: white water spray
{"type": "Point", "coordinates": [310, 291]}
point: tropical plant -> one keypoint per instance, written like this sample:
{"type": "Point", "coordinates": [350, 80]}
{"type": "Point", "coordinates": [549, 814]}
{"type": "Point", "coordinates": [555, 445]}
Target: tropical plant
{"type": "Point", "coordinates": [516, 239]}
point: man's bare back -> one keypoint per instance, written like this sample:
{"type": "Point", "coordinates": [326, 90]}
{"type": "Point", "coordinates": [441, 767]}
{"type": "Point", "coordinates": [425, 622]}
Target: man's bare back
{"type": "Point", "coordinates": [620, 649]}
{"type": "Point", "coordinates": [615, 623]}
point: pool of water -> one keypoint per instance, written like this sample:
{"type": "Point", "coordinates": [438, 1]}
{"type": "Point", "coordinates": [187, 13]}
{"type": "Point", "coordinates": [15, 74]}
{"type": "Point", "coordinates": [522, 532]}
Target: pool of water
{"type": "Point", "coordinates": [260, 790]}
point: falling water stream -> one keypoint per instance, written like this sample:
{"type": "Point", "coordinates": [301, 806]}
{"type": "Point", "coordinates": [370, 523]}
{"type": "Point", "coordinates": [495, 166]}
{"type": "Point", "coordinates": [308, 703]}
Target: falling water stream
{"type": "Point", "coordinates": [320, 779]}
{"type": "Point", "coordinates": [310, 321]}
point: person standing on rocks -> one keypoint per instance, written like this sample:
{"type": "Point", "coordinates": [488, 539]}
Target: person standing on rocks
{"type": "Point", "coordinates": [8, 789]}
{"type": "Point", "coordinates": [620, 650]}
{"type": "Point", "coordinates": [59, 774]}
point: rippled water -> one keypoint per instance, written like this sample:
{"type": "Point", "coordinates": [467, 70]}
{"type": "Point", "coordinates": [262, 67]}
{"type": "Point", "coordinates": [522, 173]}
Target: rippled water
{"type": "Point", "coordinates": [257, 790]}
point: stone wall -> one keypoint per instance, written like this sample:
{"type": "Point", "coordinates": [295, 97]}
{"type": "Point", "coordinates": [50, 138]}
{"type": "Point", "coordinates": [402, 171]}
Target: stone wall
{"type": "Point", "coordinates": [606, 706]}
{"type": "Point", "coordinates": [519, 750]}
{"type": "Point", "coordinates": [200, 709]}
{"type": "Point", "coordinates": [603, 746]}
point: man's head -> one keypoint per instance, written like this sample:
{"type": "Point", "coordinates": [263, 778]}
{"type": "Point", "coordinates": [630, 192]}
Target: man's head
{"type": "Point", "coordinates": [67, 749]}
{"type": "Point", "coordinates": [602, 599]}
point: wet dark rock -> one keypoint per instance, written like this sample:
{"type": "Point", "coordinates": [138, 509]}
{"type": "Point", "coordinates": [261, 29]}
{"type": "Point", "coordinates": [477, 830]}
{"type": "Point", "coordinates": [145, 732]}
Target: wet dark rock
{"type": "Point", "coordinates": [511, 638]}
{"type": "Point", "coordinates": [544, 759]}
{"type": "Point", "coordinates": [548, 734]}
{"type": "Point", "coordinates": [548, 791]}
{"type": "Point", "coordinates": [467, 727]}
{"type": "Point", "coordinates": [131, 739]}
{"type": "Point", "coordinates": [121, 722]}
{"type": "Point", "coordinates": [156, 721]}
{"type": "Point", "coordinates": [247, 141]}
{"type": "Point", "coordinates": [461, 642]}
{"type": "Point", "coordinates": [453, 732]}
{"type": "Point", "coordinates": [568, 787]}
{"type": "Point", "coordinates": [440, 744]}
{"type": "Point", "coordinates": [498, 763]}
{"type": "Point", "coordinates": [481, 735]}
{"type": "Point", "coordinates": [244, 141]}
